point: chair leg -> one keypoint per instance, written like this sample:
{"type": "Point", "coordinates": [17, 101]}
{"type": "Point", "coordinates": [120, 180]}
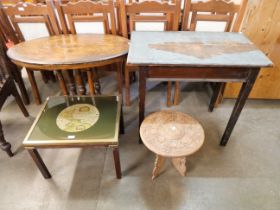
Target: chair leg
{"type": "Point", "coordinates": [45, 76]}
{"type": "Point", "coordinates": [51, 76]}
{"type": "Point", "coordinates": [133, 76]}
{"type": "Point", "coordinates": [22, 88]}
{"type": "Point", "coordinates": [19, 100]}
{"type": "Point", "coordinates": [127, 86]}
{"type": "Point", "coordinates": [71, 82]}
{"type": "Point", "coordinates": [6, 146]}
{"type": "Point", "coordinates": [90, 82]}
{"type": "Point", "coordinates": [34, 86]}
{"type": "Point", "coordinates": [169, 88]}
{"type": "Point", "coordinates": [62, 84]}
{"type": "Point", "coordinates": [80, 82]}
{"type": "Point", "coordinates": [177, 93]}
{"type": "Point", "coordinates": [96, 81]}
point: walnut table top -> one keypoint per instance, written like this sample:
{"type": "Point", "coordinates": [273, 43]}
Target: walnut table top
{"type": "Point", "coordinates": [171, 134]}
{"type": "Point", "coordinates": [64, 51]}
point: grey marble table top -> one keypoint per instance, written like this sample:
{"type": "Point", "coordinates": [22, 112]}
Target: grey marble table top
{"type": "Point", "coordinates": [202, 49]}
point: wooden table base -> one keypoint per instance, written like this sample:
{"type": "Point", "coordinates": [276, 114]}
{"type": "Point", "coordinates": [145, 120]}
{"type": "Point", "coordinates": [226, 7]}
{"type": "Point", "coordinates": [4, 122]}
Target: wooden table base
{"type": "Point", "coordinates": [47, 175]}
{"type": "Point", "coordinates": [178, 162]}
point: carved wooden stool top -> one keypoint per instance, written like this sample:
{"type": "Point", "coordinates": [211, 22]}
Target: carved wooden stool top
{"type": "Point", "coordinates": [172, 134]}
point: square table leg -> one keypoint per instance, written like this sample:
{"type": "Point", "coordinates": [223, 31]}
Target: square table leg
{"type": "Point", "coordinates": [142, 95]}
{"type": "Point", "coordinates": [39, 162]}
{"type": "Point", "coordinates": [117, 162]}
{"type": "Point", "coordinates": [215, 96]}
{"type": "Point", "coordinates": [240, 102]}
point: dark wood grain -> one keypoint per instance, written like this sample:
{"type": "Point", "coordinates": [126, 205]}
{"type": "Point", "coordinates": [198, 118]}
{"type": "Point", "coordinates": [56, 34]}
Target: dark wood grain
{"type": "Point", "coordinates": [117, 162]}
{"type": "Point", "coordinates": [240, 102]}
{"type": "Point", "coordinates": [40, 163]}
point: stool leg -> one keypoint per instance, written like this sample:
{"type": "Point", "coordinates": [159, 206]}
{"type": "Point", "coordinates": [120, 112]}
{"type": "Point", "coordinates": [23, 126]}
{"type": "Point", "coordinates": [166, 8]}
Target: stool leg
{"type": "Point", "coordinates": [180, 164]}
{"type": "Point", "coordinates": [159, 162]}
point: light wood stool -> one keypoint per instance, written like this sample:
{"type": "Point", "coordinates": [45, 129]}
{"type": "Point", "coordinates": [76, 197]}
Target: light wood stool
{"type": "Point", "coordinates": [171, 134]}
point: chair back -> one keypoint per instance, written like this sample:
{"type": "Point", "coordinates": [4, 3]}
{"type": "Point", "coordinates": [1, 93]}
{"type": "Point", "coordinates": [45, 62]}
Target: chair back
{"type": "Point", "coordinates": [32, 13]}
{"type": "Point", "coordinates": [87, 11]}
{"type": "Point", "coordinates": [167, 12]}
{"type": "Point", "coordinates": [7, 33]}
{"type": "Point", "coordinates": [225, 11]}
{"type": "Point", "coordinates": [7, 2]}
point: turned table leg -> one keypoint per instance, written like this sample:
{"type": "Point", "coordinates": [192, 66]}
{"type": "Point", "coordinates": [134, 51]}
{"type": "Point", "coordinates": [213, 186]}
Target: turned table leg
{"type": "Point", "coordinates": [180, 164]}
{"type": "Point", "coordinates": [159, 162]}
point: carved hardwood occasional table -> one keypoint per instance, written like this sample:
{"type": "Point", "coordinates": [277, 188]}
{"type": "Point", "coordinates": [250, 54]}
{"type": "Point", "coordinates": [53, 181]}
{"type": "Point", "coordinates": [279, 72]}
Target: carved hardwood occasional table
{"type": "Point", "coordinates": [171, 134]}
{"type": "Point", "coordinates": [197, 56]}
{"type": "Point", "coordinates": [68, 52]}
{"type": "Point", "coordinates": [76, 121]}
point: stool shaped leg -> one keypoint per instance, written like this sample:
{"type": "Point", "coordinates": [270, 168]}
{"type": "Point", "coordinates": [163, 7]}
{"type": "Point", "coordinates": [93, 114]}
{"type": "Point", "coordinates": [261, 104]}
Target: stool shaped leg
{"type": "Point", "coordinates": [159, 162]}
{"type": "Point", "coordinates": [180, 164]}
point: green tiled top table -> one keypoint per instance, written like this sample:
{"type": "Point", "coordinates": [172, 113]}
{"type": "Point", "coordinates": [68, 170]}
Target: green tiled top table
{"type": "Point", "coordinates": [76, 121]}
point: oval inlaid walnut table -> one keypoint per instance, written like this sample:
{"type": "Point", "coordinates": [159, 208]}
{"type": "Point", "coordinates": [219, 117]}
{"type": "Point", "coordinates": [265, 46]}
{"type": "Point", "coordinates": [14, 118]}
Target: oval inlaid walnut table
{"type": "Point", "coordinates": [171, 134]}
{"type": "Point", "coordinates": [68, 52]}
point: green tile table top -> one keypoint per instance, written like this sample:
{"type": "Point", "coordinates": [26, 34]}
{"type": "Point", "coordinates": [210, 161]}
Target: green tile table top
{"type": "Point", "coordinates": [76, 120]}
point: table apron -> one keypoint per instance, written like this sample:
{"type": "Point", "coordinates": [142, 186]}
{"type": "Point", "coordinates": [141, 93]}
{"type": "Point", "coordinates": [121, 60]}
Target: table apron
{"type": "Point", "coordinates": [199, 74]}
{"type": "Point", "coordinates": [74, 66]}
{"type": "Point", "coordinates": [72, 146]}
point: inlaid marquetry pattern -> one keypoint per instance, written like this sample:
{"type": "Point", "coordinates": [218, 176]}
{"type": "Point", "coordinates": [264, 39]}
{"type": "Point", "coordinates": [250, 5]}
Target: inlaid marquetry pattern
{"type": "Point", "coordinates": [171, 134]}
{"type": "Point", "coordinates": [202, 50]}
{"type": "Point", "coordinates": [70, 49]}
